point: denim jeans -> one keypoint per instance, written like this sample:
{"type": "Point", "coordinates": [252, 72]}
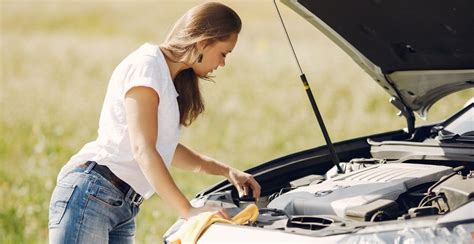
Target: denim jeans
{"type": "Point", "coordinates": [86, 208]}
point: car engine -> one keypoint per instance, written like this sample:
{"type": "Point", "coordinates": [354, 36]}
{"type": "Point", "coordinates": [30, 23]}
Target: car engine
{"type": "Point", "coordinates": [347, 195]}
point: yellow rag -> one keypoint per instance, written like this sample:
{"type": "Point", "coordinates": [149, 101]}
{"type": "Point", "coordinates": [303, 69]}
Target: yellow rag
{"type": "Point", "coordinates": [193, 228]}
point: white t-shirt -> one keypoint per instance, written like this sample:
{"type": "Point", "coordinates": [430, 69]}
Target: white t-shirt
{"type": "Point", "coordinates": [146, 66]}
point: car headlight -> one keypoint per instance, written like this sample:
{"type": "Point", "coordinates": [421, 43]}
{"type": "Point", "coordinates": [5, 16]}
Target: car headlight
{"type": "Point", "coordinates": [463, 233]}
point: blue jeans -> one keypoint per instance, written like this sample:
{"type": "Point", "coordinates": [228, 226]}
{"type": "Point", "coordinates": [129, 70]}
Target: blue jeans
{"type": "Point", "coordinates": [86, 208]}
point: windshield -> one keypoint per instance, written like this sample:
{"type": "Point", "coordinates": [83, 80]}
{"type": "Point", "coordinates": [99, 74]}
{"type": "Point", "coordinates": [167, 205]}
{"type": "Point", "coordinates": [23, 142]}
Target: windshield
{"type": "Point", "coordinates": [463, 124]}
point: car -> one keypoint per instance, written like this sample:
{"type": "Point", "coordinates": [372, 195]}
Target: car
{"type": "Point", "coordinates": [413, 185]}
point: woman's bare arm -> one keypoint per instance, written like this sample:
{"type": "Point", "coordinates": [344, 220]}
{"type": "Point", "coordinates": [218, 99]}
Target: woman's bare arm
{"type": "Point", "coordinates": [187, 159]}
{"type": "Point", "coordinates": [141, 105]}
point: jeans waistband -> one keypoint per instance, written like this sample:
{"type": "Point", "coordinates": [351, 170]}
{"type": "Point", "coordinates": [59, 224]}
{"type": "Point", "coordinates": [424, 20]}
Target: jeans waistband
{"type": "Point", "coordinates": [105, 172]}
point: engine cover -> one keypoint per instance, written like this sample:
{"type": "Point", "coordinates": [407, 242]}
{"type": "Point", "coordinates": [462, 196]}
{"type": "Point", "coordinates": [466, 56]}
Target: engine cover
{"type": "Point", "coordinates": [335, 195]}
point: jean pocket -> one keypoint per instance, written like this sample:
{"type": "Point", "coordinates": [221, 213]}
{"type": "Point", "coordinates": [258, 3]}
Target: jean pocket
{"type": "Point", "coordinates": [107, 197]}
{"type": "Point", "coordinates": [59, 200]}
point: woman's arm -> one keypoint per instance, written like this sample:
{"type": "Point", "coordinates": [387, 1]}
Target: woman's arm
{"type": "Point", "coordinates": [141, 105]}
{"type": "Point", "coordinates": [187, 159]}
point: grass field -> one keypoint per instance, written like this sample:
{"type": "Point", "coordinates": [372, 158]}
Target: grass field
{"type": "Point", "coordinates": [56, 59]}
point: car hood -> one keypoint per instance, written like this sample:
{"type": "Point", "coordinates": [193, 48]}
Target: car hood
{"type": "Point", "coordinates": [418, 51]}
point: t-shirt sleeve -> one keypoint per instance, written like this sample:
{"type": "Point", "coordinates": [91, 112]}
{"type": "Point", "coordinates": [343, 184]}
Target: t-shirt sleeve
{"type": "Point", "coordinates": [144, 72]}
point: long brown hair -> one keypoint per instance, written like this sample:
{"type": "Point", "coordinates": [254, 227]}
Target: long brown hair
{"type": "Point", "coordinates": [207, 22]}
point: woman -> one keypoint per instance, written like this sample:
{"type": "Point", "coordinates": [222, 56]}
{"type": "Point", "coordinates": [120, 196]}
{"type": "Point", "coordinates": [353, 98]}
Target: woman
{"type": "Point", "coordinates": [151, 93]}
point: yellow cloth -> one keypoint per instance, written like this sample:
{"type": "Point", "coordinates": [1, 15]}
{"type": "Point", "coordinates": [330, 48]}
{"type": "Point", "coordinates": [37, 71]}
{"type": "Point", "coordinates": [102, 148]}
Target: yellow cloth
{"type": "Point", "coordinates": [193, 228]}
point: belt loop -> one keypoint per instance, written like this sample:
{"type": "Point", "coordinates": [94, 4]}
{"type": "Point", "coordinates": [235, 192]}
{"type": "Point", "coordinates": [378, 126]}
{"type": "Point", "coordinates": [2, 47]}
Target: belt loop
{"type": "Point", "coordinates": [90, 167]}
{"type": "Point", "coordinates": [129, 193]}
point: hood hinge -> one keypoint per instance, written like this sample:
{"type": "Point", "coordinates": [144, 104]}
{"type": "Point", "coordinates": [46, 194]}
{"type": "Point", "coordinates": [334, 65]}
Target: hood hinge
{"type": "Point", "coordinates": [405, 112]}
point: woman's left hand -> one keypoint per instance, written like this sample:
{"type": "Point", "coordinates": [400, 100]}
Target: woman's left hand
{"type": "Point", "coordinates": [242, 182]}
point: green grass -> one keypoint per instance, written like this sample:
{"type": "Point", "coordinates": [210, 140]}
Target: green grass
{"type": "Point", "coordinates": [56, 58]}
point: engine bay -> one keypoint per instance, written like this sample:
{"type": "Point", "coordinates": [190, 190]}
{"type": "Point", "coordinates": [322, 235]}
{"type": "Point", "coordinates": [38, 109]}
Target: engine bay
{"type": "Point", "coordinates": [428, 175]}
{"type": "Point", "coordinates": [369, 191]}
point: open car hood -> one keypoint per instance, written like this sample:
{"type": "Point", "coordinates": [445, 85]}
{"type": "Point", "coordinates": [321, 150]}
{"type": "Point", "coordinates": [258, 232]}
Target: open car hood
{"type": "Point", "coordinates": [418, 51]}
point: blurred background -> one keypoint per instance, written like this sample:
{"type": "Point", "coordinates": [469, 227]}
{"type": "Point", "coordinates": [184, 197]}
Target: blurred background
{"type": "Point", "coordinates": [56, 60]}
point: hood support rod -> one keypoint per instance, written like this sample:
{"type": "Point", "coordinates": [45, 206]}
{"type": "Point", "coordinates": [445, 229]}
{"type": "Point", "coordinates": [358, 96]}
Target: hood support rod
{"type": "Point", "coordinates": [330, 146]}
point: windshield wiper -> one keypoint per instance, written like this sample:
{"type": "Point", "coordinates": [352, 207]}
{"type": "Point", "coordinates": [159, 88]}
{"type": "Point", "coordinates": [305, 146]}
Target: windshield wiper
{"type": "Point", "coordinates": [447, 136]}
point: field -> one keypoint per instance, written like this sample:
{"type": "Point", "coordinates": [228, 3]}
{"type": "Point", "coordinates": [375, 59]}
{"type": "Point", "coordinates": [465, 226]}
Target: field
{"type": "Point", "coordinates": [57, 57]}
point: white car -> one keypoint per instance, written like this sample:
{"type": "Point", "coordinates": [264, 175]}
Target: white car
{"type": "Point", "coordinates": [414, 185]}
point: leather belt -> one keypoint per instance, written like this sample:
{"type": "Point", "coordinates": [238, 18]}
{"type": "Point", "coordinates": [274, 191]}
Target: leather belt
{"type": "Point", "coordinates": [105, 172]}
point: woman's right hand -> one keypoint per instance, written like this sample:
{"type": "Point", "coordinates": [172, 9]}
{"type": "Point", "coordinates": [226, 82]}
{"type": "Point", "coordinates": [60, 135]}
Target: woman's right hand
{"type": "Point", "coordinates": [193, 211]}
